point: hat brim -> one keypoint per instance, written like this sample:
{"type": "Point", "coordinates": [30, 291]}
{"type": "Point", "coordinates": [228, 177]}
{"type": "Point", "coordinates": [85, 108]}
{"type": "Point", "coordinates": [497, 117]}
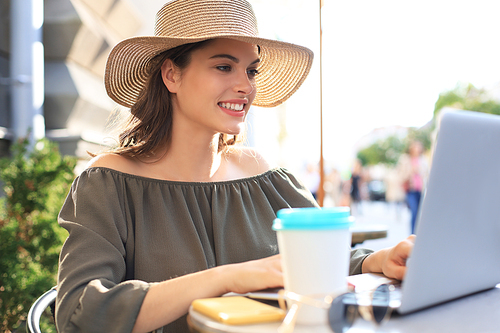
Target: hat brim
{"type": "Point", "coordinates": [282, 70]}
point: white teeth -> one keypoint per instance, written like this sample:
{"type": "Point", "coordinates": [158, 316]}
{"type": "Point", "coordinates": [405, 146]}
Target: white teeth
{"type": "Point", "coordinates": [232, 106]}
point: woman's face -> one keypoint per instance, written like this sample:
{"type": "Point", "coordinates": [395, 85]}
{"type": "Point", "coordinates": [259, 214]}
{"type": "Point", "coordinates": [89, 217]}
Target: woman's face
{"type": "Point", "coordinates": [215, 91]}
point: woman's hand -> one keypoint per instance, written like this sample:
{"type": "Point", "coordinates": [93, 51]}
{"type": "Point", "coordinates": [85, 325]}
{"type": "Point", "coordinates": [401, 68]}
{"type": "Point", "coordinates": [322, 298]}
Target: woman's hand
{"type": "Point", "coordinates": [391, 261]}
{"type": "Point", "coordinates": [254, 275]}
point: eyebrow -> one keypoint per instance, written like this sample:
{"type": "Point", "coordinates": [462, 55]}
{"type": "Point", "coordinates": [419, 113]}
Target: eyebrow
{"type": "Point", "coordinates": [232, 58]}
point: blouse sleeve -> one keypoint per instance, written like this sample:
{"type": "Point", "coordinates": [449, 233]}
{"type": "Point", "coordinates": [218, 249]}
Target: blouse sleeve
{"type": "Point", "coordinates": [92, 265]}
{"type": "Point", "coordinates": [357, 258]}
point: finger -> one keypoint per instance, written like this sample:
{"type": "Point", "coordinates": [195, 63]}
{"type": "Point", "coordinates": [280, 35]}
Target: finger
{"type": "Point", "coordinates": [397, 272]}
{"type": "Point", "coordinates": [405, 247]}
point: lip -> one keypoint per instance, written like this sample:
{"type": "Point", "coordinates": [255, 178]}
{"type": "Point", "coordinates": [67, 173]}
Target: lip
{"type": "Point", "coordinates": [233, 112]}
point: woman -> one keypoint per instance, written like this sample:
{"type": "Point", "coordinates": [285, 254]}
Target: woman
{"type": "Point", "coordinates": [178, 212]}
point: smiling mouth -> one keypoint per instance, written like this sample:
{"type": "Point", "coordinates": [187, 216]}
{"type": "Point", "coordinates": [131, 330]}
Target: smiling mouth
{"type": "Point", "coordinates": [232, 106]}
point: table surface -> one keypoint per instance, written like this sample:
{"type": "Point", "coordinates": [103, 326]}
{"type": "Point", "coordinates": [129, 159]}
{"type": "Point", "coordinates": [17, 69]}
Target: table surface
{"type": "Point", "coordinates": [360, 233]}
{"type": "Point", "coordinates": [479, 312]}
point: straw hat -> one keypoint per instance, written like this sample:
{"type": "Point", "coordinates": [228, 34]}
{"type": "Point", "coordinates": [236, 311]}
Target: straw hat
{"type": "Point", "coordinates": [283, 66]}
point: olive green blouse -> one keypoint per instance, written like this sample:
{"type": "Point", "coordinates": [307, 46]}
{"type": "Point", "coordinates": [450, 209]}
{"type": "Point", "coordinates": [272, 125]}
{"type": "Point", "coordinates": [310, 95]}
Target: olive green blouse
{"type": "Point", "coordinates": [126, 232]}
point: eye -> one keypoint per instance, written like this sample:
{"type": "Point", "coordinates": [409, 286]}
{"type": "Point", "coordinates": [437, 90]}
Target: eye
{"type": "Point", "coordinates": [223, 68]}
{"type": "Point", "coordinates": [252, 73]}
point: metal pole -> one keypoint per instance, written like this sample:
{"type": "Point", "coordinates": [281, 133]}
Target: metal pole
{"type": "Point", "coordinates": [26, 69]}
{"type": "Point", "coordinates": [321, 190]}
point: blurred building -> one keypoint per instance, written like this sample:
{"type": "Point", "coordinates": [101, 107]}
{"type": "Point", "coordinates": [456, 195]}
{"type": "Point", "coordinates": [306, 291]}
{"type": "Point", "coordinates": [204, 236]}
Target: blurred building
{"type": "Point", "coordinates": [77, 37]}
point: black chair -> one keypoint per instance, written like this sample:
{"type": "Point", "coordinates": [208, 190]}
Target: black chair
{"type": "Point", "coordinates": [37, 309]}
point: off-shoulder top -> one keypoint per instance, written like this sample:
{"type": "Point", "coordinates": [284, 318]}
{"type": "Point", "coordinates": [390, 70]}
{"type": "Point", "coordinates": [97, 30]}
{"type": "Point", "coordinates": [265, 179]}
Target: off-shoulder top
{"type": "Point", "coordinates": [127, 231]}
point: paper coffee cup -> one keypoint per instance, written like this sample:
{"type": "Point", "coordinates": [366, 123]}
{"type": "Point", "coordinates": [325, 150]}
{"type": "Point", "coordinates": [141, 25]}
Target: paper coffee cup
{"type": "Point", "coordinates": [315, 250]}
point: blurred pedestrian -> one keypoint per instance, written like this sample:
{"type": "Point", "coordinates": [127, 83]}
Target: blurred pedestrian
{"type": "Point", "coordinates": [333, 186]}
{"type": "Point", "coordinates": [413, 168]}
{"type": "Point", "coordinates": [356, 185]}
{"type": "Point", "coordinates": [395, 194]}
{"type": "Point", "coordinates": [311, 179]}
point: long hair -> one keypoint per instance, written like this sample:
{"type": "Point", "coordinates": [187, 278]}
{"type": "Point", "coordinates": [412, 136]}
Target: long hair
{"type": "Point", "coordinates": [149, 126]}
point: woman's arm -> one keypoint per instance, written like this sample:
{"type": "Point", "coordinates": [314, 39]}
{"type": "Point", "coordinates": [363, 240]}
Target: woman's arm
{"type": "Point", "coordinates": [159, 307]}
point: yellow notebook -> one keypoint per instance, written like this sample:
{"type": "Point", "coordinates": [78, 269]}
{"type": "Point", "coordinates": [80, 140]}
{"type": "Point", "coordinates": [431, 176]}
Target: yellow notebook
{"type": "Point", "coordinates": [237, 310]}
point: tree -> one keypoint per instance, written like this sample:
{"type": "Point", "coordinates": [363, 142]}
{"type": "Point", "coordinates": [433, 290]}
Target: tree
{"type": "Point", "coordinates": [467, 97]}
{"type": "Point", "coordinates": [387, 151]}
{"type": "Point", "coordinates": [35, 185]}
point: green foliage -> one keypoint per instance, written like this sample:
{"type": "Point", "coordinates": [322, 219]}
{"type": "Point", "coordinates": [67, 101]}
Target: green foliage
{"type": "Point", "coordinates": [35, 185]}
{"type": "Point", "coordinates": [387, 151]}
{"type": "Point", "coordinates": [467, 97]}
{"type": "Point", "coordinates": [422, 134]}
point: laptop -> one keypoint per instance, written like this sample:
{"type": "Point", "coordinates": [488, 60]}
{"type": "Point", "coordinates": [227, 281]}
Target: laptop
{"type": "Point", "coordinates": [458, 228]}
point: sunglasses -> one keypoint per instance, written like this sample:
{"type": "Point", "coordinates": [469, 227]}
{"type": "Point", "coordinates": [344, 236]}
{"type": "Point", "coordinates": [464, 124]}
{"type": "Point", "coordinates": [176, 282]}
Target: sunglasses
{"type": "Point", "coordinates": [342, 310]}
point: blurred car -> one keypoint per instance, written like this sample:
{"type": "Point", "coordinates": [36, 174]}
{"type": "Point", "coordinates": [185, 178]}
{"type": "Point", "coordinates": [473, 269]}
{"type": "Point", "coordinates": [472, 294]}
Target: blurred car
{"type": "Point", "coordinates": [376, 190]}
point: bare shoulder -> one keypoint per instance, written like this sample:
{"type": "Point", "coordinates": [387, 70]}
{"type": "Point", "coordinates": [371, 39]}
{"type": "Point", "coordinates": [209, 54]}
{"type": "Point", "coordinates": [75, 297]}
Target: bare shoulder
{"type": "Point", "coordinates": [113, 161]}
{"type": "Point", "coordinates": [250, 161]}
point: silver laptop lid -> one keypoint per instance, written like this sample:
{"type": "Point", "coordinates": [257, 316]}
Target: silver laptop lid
{"type": "Point", "coordinates": [457, 249]}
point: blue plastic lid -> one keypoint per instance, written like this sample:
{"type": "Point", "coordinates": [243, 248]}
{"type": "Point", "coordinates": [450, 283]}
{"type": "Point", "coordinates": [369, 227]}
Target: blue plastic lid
{"type": "Point", "coordinates": [312, 218]}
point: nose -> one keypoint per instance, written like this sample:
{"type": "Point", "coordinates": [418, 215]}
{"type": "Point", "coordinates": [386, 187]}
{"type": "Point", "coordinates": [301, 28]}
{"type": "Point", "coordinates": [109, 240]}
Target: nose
{"type": "Point", "coordinates": [244, 85]}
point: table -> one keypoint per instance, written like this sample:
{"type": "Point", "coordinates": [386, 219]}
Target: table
{"type": "Point", "coordinates": [360, 233]}
{"type": "Point", "coordinates": [479, 312]}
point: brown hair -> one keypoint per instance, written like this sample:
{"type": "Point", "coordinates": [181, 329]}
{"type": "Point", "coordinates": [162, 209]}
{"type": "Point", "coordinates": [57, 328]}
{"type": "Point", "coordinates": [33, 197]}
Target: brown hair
{"type": "Point", "coordinates": [149, 126]}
